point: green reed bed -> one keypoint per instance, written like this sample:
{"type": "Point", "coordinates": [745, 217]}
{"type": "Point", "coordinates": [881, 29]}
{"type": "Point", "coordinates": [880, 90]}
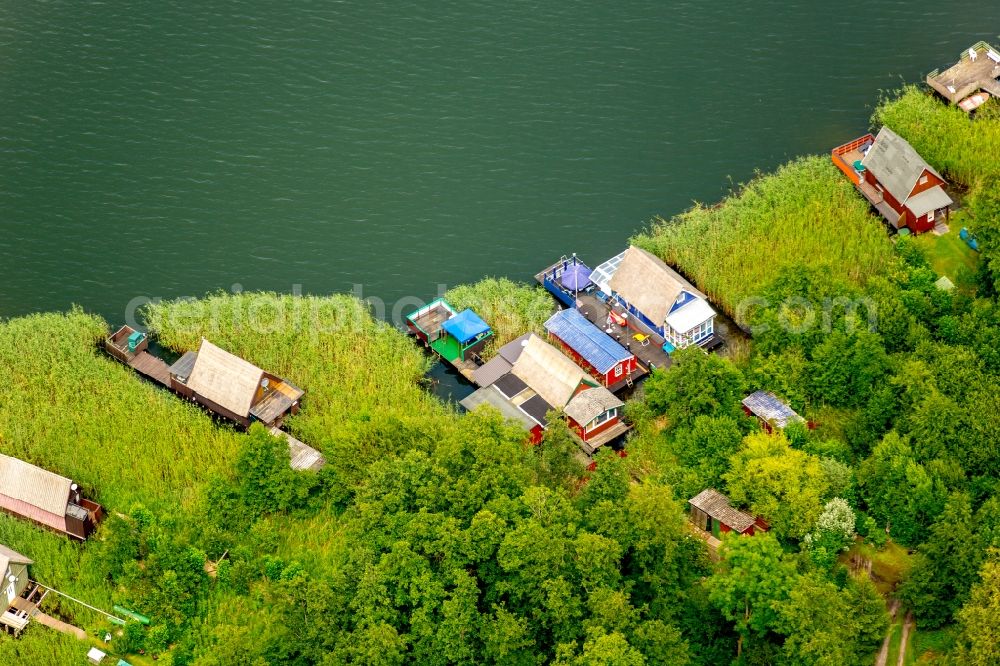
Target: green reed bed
{"type": "Point", "coordinates": [352, 367]}
{"type": "Point", "coordinates": [70, 409]}
{"type": "Point", "coordinates": [806, 213]}
{"type": "Point", "coordinates": [963, 149]}
{"type": "Point", "coordinates": [510, 308]}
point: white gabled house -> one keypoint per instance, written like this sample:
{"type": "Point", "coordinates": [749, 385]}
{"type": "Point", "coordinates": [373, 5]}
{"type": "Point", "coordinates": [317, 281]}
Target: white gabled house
{"type": "Point", "coordinates": [656, 295]}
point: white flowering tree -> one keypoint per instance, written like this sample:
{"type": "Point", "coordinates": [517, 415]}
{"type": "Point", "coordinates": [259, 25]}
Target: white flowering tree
{"type": "Point", "coordinates": [834, 532]}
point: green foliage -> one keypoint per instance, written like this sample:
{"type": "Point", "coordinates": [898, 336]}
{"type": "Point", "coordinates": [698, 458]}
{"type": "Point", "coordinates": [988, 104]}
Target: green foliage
{"type": "Point", "coordinates": [834, 532]}
{"type": "Point", "coordinates": [945, 565]}
{"type": "Point", "coordinates": [696, 384]}
{"type": "Point", "coordinates": [898, 490]}
{"type": "Point", "coordinates": [784, 485]}
{"type": "Point", "coordinates": [978, 643]}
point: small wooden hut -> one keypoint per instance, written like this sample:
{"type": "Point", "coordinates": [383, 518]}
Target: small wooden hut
{"type": "Point", "coordinates": [772, 412]}
{"type": "Point", "coordinates": [712, 512]}
{"type": "Point", "coordinates": [233, 387]}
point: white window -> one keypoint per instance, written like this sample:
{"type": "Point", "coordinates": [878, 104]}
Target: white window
{"type": "Point", "coordinates": [923, 180]}
{"type": "Point", "coordinates": [603, 418]}
{"type": "Point", "coordinates": [618, 370]}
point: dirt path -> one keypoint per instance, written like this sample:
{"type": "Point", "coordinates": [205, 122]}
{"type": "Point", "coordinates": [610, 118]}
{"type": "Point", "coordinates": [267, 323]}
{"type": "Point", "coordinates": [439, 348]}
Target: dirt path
{"type": "Point", "coordinates": [883, 654]}
{"type": "Point", "coordinates": [907, 626]}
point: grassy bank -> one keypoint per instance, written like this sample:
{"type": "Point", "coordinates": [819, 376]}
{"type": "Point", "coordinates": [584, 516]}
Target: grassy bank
{"type": "Point", "coordinates": [806, 213]}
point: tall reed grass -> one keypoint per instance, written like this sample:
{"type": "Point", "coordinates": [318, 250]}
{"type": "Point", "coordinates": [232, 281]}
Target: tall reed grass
{"type": "Point", "coordinates": [963, 149]}
{"type": "Point", "coordinates": [511, 309]}
{"type": "Point", "coordinates": [352, 367]}
{"type": "Point", "coordinates": [805, 214]}
{"type": "Point", "coordinates": [72, 410]}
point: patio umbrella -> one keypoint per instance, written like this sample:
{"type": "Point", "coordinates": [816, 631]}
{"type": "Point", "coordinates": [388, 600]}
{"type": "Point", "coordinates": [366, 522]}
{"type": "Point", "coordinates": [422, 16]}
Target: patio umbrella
{"type": "Point", "coordinates": [576, 277]}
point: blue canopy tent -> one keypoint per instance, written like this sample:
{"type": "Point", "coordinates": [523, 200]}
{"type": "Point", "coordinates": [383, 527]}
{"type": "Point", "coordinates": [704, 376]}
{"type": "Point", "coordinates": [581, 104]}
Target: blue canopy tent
{"type": "Point", "coordinates": [467, 330]}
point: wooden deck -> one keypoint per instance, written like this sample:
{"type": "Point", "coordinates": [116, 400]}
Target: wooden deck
{"type": "Point", "coordinates": [59, 625]}
{"type": "Point", "coordinates": [968, 76]}
{"type": "Point", "coordinates": [648, 357]}
{"type": "Point", "coordinates": [591, 446]}
{"type": "Point", "coordinates": [151, 367]}
{"type": "Point", "coordinates": [878, 201]}
{"type": "Point", "coordinates": [303, 457]}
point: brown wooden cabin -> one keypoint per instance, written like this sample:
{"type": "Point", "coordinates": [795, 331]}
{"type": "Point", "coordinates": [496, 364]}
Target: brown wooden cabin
{"type": "Point", "coordinates": [900, 185]}
{"type": "Point", "coordinates": [232, 387]}
{"type": "Point", "coordinates": [712, 512]}
{"type": "Point", "coordinates": [46, 498]}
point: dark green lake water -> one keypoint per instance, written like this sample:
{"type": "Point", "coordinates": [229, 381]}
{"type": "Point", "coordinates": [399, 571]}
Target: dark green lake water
{"type": "Point", "coordinates": [173, 148]}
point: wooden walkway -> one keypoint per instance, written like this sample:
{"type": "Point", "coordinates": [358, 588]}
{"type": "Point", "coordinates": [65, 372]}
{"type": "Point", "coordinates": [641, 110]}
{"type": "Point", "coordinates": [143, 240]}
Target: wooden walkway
{"type": "Point", "coordinates": [302, 456]}
{"type": "Point", "coordinates": [152, 367]}
{"type": "Point", "coordinates": [59, 625]}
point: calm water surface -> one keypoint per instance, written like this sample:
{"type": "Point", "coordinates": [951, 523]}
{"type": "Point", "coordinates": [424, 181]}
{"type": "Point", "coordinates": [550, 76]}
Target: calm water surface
{"type": "Point", "coordinates": [173, 148]}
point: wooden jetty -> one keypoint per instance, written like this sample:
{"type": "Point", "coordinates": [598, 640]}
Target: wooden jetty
{"type": "Point", "coordinates": [978, 69]}
{"type": "Point", "coordinates": [222, 383]}
{"type": "Point", "coordinates": [457, 337]}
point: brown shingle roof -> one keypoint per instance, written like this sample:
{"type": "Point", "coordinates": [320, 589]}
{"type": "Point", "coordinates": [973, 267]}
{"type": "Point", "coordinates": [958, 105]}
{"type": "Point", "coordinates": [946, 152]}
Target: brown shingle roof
{"type": "Point", "coordinates": [588, 405]}
{"type": "Point", "coordinates": [225, 379]}
{"type": "Point", "coordinates": [717, 505]}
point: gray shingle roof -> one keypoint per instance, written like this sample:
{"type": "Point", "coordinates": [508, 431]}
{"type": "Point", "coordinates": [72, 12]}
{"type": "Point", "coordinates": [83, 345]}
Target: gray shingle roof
{"type": "Point", "coordinates": [895, 164]}
{"type": "Point", "coordinates": [591, 403]}
{"type": "Point", "coordinates": [717, 505]}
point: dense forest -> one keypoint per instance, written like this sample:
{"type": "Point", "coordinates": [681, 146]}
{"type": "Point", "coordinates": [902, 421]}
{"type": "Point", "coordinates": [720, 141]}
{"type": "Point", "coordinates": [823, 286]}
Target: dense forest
{"type": "Point", "coordinates": [433, 536]}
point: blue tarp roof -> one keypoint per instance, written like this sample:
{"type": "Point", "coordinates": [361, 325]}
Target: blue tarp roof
{"type": "Point", "coordinates": [594, 345]}
{"type": "Point", "coordinates": [465, 326]}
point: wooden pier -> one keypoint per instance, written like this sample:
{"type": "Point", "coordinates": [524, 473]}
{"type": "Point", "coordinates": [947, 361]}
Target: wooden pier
{"type": "Point", "coordinates": [978, 68]}
{"type": "Point", "coordinates": [649, 356]}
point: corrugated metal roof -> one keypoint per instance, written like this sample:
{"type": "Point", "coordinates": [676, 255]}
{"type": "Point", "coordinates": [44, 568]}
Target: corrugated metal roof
{"type": "Point", "coordinates": [489, 372]}
{"type": "Point", "coordinates": [595, 346]}
{"type": "Point", "coordinates": [588, 405]}
{"type": "Point", "coordinates": [928, 200]}
{"type": "Point", "coordinates": [895, 164]}
{"type": "Point", "coordinates": [34, 486]}
{"type": "Point", "coordinates": [549, 372]}
{"type": "Point", "coordinates": [225, 379]}
{"type": "Point", "coordinates": [648, 284]}
{"type": "Point", "coordinates": [717, 505]}
{"type": "Point", "coordinates": [772, 409]}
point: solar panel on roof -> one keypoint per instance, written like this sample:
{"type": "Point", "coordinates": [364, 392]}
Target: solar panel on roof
{"type": "Point", "coordinates": [510, 385]}
{"type": "Point", "coordinates": [537, 408]}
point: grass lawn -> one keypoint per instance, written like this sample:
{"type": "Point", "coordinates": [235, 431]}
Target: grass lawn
{"type": "Point", "coordinates": [948, 255]}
